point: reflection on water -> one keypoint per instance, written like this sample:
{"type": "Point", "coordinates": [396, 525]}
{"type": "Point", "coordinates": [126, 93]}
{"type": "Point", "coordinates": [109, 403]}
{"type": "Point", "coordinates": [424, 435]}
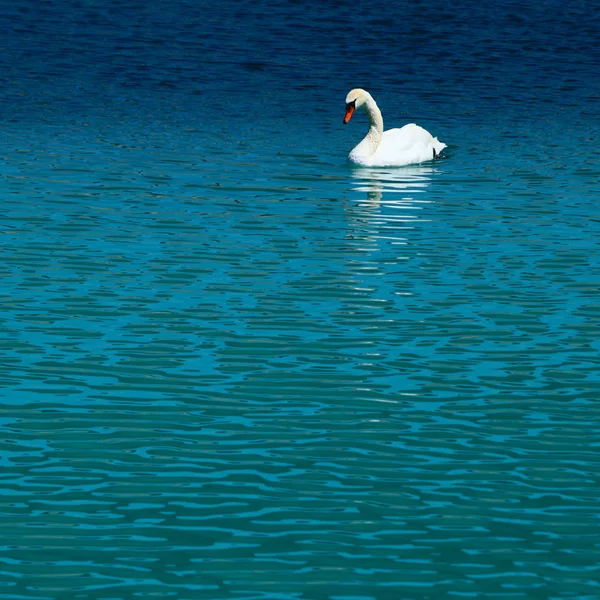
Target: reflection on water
{"type": "Point", "coordinates": [406, 181]}
{"type": "Point", "coordinates": [393, 200]}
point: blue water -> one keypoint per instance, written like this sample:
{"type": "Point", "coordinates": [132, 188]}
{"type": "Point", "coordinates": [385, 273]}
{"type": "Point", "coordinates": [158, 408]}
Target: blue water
{"type": "Point", "coordinates": [235, 367]}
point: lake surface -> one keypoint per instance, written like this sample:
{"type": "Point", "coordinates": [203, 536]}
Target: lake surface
{"type": "Point", "coordinates": [233, 366]}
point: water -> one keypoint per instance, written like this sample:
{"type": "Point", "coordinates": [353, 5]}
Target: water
{"type": "Point", "coordinates": [235, 367]}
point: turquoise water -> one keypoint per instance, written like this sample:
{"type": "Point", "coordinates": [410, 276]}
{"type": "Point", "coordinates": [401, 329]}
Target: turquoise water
{"type": "Point", "coordinates": [235, 367]}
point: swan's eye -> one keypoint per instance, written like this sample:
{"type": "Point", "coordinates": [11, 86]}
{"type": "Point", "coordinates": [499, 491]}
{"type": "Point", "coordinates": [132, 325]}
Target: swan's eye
{"type": "Point", "coordinates": [352, 104]}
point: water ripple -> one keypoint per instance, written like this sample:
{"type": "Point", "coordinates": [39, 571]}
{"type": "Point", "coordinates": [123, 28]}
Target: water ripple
{"type": "Point", "coordinates": [235, 367]}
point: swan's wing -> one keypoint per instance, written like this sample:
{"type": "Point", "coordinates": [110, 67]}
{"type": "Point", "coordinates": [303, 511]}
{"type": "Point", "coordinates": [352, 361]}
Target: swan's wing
{"type": "Point", "coordinates": [406, 137]}
{"type": "Point", "coordinates": [406, 145]}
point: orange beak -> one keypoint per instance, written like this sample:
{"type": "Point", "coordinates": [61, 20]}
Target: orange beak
{"type": "Point", "coordinates": [349, 113]}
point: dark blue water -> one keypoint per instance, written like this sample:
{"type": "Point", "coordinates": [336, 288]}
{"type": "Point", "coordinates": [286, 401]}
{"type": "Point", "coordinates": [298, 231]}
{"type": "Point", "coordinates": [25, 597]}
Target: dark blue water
{"type": "Point", "coordinates": [235, 367]}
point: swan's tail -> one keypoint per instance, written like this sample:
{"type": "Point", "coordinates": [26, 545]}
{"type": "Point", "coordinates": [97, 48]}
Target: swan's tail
{"type": "Point", "coordinates": [437, 145]}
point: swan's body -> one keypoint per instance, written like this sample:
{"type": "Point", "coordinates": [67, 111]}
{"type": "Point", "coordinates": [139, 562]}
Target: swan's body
{"type": "Point", "coordinates": [392, 148]}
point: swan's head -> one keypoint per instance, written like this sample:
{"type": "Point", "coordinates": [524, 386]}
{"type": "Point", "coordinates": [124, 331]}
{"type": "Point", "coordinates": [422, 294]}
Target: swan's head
{"type": "Point", "coordinates": [355, 99]}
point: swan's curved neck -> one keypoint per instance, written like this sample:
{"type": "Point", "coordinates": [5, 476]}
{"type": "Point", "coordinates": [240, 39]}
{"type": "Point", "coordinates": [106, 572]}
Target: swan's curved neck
{"type": "Point", "coordinates": [371, 141]}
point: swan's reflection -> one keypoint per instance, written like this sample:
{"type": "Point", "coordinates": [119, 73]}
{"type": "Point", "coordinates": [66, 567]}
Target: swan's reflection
{"type": "Point", "coordinates": [381, 228]}
{"type": "Point", "coordinates": [392, 194]}
{"type": "Point", "coordinates": [406, 181]}
{"type": "Point", "coordinates": [394, 200]}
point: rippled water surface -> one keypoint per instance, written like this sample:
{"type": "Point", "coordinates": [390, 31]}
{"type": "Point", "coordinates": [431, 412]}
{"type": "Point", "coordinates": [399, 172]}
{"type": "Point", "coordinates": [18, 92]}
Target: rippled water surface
{"type": "Point", "coordinates": [235, 367]}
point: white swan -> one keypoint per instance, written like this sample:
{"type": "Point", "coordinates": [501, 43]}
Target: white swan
{"type": "Point", "coordinates": [392, 148]}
